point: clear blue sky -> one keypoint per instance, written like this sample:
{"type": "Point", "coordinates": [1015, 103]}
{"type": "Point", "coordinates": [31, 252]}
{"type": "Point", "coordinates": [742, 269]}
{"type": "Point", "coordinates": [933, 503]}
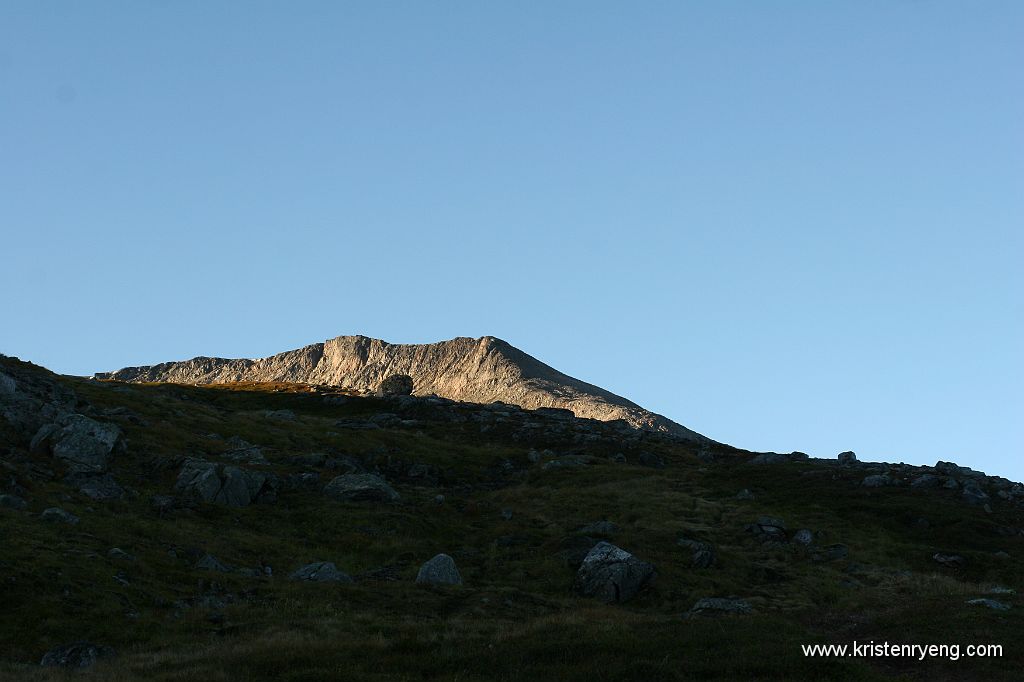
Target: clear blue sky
{"type": "Point", "coordinates": [787, 225]}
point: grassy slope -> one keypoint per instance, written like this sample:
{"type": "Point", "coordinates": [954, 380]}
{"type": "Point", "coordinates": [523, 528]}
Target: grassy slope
{"type": "Point", "coordinates": [515, 618]}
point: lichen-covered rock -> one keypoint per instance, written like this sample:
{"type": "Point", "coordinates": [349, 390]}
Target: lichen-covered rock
{"type": "Point", "coordinates": [320, 572]}
{"type": "Point", "coordinates": [717, 606]}
{"type": "Point", "coordinates": [360, 488]}
{"type": "Point", "coordinates": [611, 574]}
{"type": "Point", "coordinates": [440, 570]}
{"type": "Point", "coordinates": [76, 655]}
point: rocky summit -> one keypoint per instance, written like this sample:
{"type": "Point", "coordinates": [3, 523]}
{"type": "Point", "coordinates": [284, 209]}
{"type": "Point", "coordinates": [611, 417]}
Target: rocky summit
{"type": "Point", "coordinates": [484, 370]}
{"type": "Point", "coordinates": [359, 525]}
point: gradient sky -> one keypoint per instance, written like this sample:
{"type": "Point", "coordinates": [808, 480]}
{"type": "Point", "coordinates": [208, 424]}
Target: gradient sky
{"type": "Point", "coordinates": [787, 225]}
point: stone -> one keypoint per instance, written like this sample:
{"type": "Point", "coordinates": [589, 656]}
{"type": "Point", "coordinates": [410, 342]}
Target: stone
{"type": "Point", "coordinates": [847, 458]}
{"type": "Point", "coordinates": [949, 560]}
{"type": "Point", "coordinates": [96, 486]}
{"type": "Point", "coordinates": [926, 481]}
{"type": "Point", "coordinates": [221, 484]}
{"type": "Point", "coordinates": [280, 415]}
{"type": "Point", "coordinates": [119, 554]}
{"type": "Point", "coordinates": [396, 385]}
{"type": "Point", "coordinates": [718, 606]}
{"type": "Point", "coordinates": [610, 574]}
{"type": "Point", "coordinates": [13, 502]}
{"type": "Point", "coordinates": [803, 537]}
{"type": "Point", "coordinates": [58, 515]}
{"type": "Point", "coordinates": [744, 495]}
{"type": "Point", "coordinates": [7, 384]}
{"type": "Point", "coordinates": [81, 443]}
{"type": "Point", "coordinates": [77, 655]}
{"type": "Point", "coordinates": [320, 572]}
{"type": "Point", "coordinates": [769, 458]}
{"type": "Point", "coordinates": [567, 462]}
{"type": "Point", "coordinates": [703, 553]}
{"type": "Point", "coordinates": [360, 488]}
{"type": "Point", "coordinates": [877, 481]}
{"type": "Point", "coordinates": [440, 570]}
{"type": "Point", "coordinates": [947, 468]}
{"type": "Point", "coordinates": [974, 495]}
{"type": "Point", "coordinates": [990, 603]}
{"type": "Point", "coordinates": [769, 528]}
{"type": "Point", "coordinates": [650, 459]}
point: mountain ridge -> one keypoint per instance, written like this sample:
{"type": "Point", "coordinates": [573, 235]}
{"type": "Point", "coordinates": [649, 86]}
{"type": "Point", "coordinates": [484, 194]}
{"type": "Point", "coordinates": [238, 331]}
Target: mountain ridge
{"type": "Point", "coordinates": [484, 370]}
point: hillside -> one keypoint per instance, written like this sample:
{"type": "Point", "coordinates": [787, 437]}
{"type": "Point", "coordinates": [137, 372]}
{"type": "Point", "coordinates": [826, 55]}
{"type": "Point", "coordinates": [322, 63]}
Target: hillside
{"type": "Point", "coordinates": [277, 530]}
{"type": "Point", "coordinates": [483, 370]}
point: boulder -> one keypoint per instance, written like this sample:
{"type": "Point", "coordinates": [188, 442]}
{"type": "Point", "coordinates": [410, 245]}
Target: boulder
{"type": "Point", "coordinates": [221, 484]}
{"type": "Point", "coordinates": [58, 515]}
{"type": "Point", "coordinates": [212, 563]}
{"type": "Point", "coordinates": [703, 553]}
{"type": "Point", "coordinates": [847, 458]}
{"type": "Point", "coordinates": [949, 560]}
{"type": "Point", "coordinates": [395, 385]}
{"type": "Point", "coordinates": [76, 655]}
{"type": "Point", "coordinates": [926, 481]}
{"type": "Point", "coordinates": [7, 384]}
{"type": "Point", "coordinates": [320, 572]}
{"type": "Point", "coordinates": [769, 458]}
{"type": "Point", "coordinates": [989, 603]}
{"type": "Point", "coordinates": [567, 462]}
{"type": "Point", "coordinates": [877, 481]}
{"type": "Point", "coordinates": [769, 528]}
{"type": "Point", "coordinates": [973, 494]}
{"type": "Point", "coordinates": [718, 606]}
{"type": "Point", "coordinates": [803, 537]}
{"type": "Point", "coordinates": [360, 488]}
{"type": "Point", "coordinates": [81, 443]}
{"type": "Point", "coordinates": [440, 570]}
{"type": "Point", "coordinates": [611, 574]}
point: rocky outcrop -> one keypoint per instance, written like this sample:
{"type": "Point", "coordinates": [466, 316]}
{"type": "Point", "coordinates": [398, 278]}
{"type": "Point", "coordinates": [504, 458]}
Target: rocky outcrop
{"type": "Point", "coordinates": [483, 370]}
{"type": "Point", "coordinates": [611, 574]}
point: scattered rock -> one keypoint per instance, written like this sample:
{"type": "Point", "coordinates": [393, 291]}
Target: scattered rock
{"type": "Point", "coordinates": [320, 572]}
{"type": "Point", "coordinates": [717, 606]}
{"type": "Point", "coordinates": [950, 560]}
{"type": "Point", "coordinates": [847, 458]}
{"type": "Point", "coordinates": [360, 488]}
{"type": "Point", "coordinates": [440, 570]}
{"type": "Point", "coordinates": [119, 554]}
{"type": "Point", "coordinates": [803, 537]}
{"type": "Point", "coordinates": [567, 462]}
{"type": "Point", "coordinates": [877, 481]}
{"type": "Point", "coordinates": [703, 553]}
{"type": "Point", "coordinates": [926, 481]}
{"type": "Point", "coordinates": [744, 495]}
{"type": "Point", "coordinates": [58, 515]}
{"type": "Point", "coordinates": [769, 528]}
{"type": "Point", "coordinates": [973, 494]}
{"type": "Point", "coordinates": [990, 603]}
{"type": "Point", "coordinates": [611, 574]}
{"type": "Point", "coordinates": [76, 655]}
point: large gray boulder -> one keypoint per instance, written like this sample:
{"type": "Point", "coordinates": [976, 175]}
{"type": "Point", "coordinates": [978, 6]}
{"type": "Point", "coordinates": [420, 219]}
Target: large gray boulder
{"type": "Point", "coordinates": [611, 574]}
{"type": "Point", "coordinates": [360, 488]}
{"type": "Point", "coordinates": [83, 444]}
{"type": "Point", "coordinates": [320, 572]}
{"type": "Point", "coordinates": [440, 570]}
{"type": "Point", "coordinates": [76, 655]}
{"type": "Point", "coordinates": [220, 484]}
